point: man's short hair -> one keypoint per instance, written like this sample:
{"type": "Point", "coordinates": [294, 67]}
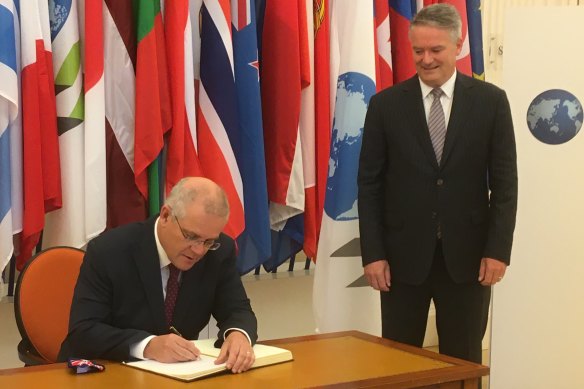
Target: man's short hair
{"type": "Point", "coordinates": [184, 193]}
{"type": "Point", "coordinates": [444, 16]}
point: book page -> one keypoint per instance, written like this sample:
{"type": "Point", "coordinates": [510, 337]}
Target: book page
{"type": "Point", "coordinates": [265, 355]}
{"type": "Point", "coordinates": [183, 370]}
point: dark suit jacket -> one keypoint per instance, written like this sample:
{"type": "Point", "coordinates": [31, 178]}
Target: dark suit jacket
{"type": "Point", "coordinates": [404, 196]}
{"type": "Point", "coordinates": [118, 299]}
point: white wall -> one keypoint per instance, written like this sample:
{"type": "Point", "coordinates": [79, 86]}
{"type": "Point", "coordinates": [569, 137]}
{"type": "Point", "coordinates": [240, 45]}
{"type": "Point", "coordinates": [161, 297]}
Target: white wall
{"type": "Point", "coordinates": [538, 314]}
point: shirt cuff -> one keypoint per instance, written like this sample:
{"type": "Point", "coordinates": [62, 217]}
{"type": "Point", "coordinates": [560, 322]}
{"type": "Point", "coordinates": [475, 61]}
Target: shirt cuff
{"type": "Point", "coordinates": [237, 329]}
{"type": "Point", "coordinates": [137, 349]}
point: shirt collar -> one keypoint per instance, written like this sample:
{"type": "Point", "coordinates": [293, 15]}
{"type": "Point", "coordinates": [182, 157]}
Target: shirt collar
{"type": "Point", "coordinates": [447, 87]}
{"type": "Point", "coordinates": [162, 257]}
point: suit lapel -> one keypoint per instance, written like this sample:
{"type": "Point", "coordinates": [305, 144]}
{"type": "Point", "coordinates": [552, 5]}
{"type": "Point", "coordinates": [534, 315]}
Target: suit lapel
{"type": "Point", "coordinates": [414, 104]}
{"type": "Point", "coordinates": [459, 114]}
{"type": "Point", "coordinates": [148, 265]}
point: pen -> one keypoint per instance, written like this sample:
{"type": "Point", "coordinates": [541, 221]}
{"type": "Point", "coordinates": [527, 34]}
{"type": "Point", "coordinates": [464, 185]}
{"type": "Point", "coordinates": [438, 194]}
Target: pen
{"type": "Point", "coordinates": [175, 331]}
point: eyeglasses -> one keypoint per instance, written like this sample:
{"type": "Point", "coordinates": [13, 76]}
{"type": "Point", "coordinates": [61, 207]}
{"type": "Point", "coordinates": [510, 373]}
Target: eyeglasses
{"type": "Point", "coordinates": [208, 244]}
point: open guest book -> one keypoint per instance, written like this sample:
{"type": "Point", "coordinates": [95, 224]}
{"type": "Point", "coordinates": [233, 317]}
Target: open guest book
{"type": "Point", "coordinates": [204, 366]}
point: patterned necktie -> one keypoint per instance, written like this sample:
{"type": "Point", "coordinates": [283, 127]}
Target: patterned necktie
{"type": "Point", "coordinates": [171, 292]}
{"type": "Point", "coordinates": [437, 124]}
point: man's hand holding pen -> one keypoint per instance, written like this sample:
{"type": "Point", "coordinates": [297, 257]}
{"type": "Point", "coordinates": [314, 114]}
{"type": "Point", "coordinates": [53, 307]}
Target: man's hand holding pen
{"type": "Point", "coordinates": [171, 348]}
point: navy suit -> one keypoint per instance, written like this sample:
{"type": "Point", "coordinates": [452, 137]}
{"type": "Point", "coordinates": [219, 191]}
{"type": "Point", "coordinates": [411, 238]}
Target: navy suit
{"type": "Point", "coordinates": [407, 200]}
{"type": "Point", "coordinates": [118, 299]}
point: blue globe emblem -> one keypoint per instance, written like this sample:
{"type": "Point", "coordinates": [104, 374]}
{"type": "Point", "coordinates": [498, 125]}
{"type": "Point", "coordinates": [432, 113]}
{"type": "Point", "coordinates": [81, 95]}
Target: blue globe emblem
{"type": "Point", "coordinates": [554, 116]}
{"type": "Point", "coordinates": [353, 93]}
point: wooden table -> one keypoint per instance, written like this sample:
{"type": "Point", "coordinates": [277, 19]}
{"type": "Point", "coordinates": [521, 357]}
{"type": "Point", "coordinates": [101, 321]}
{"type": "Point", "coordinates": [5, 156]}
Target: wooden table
{"type": "Point", "coordinates": [348, 359]}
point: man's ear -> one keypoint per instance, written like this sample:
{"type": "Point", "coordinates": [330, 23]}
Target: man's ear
{"type": "Point", "coordinates": [165, 213]}
{"type": "Point", "coordinates": [458, 46]}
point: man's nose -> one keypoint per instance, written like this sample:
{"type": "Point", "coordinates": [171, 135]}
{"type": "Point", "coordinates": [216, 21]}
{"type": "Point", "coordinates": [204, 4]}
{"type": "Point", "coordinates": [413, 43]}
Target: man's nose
{"type": "Point", "coordinates": [427, 57]}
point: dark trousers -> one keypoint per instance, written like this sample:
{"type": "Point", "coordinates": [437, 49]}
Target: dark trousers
{"type": "Point", "coordinates": [461, 312]}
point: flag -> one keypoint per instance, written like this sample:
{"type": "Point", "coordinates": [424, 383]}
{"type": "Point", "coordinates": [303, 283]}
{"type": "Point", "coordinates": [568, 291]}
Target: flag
{"type": "Point", "coordinates": [218, 130]}
{"type": "Point", "coordinates": [125, 203]}
{"type": "Point", "coordinates": [254, 243]}
{"type": "Point", "coordinates": [342, 300]}
{"type": "Point", "coordinates": [68, 226]}
{"type": "Point", "coordinates": [383, 60]}
{"type": "Point", "coordinates": [322, 99]}
{"type": "Point", "coordinates": [10, 131]}
{"type": "Point", "coordinates": [182, 159]}
{"type": "Point", "coordinates": [463, 60]}
{"type": "Point", "coordinates": [475, 35]}
{"type": "Point", "coordinates": [307, 127]}
{"type": "Point", "coordinates": [153, 112]}
{"type": "Point", "coordinates": [400, 16]}
{"type": "Point", "coordinates": [41, 170]}
{"type": "Point", "coordinates": [285, 71]}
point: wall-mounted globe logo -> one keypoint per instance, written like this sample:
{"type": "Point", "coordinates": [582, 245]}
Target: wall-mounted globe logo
{"type": "Point", "coordinates": [353, 93]}
{"type": "Point", "coordinates": [554, 116]}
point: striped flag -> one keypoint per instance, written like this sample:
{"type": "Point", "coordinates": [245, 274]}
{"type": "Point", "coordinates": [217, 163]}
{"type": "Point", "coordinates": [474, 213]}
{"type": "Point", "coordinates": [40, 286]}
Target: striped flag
{"type": "Point", "coordinates": [321, 102]}
{"type": "Point", "coordinates": [400, 16]}
{"type": "Point", "coordinates": [285, 71]}
{"type": "Point", "coordinates": [218, 127]}
{"type": "Point", "coordinates": [383, 60]}
{"type": "Point", "coordinates": [254, 243]}
{"type": "Point", "coordinates": [41, 171]}
{"type": "Point", "coordinates": [68, 226]}
{"type": "Point", "coordinates": [10, 130]}
{"type": "Point", "coordinates": [182, 159]}
{"type": "Point", "coordinates": [125, 203]}
{"type": "Point", "coordinates": [475, 34]}
{"type": "Point", "coordinates": [342, 299]}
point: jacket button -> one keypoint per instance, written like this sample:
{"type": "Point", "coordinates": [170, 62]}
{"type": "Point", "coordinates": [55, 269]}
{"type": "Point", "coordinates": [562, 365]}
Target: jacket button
{"type": "Point", "coordinates": [439, 182]}
{"type": "Point", "coordinates": [434, 214]}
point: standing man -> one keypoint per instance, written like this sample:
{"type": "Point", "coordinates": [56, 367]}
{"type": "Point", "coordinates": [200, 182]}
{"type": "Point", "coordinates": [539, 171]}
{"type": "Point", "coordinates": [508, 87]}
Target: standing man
{"type": "Point", "coordinates": [145, 288]}
{"type": "Point", "coordinates": [437, 193]}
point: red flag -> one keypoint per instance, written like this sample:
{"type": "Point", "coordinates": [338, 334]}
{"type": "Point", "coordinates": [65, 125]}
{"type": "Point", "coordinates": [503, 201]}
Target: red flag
{"type": "Point", "coordinates": [153, 111]}
{"type": "Point", "coordinates": [182, 157]}
{"type": "Point", "coordinates": [321, 102]}
{"type": "Point", "coordinates": [383, 61]}
{"type": "Point", "coordinates": [41, 169]}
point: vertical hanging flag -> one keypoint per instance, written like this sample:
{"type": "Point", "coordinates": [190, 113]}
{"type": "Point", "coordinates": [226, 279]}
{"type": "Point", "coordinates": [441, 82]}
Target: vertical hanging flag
{"type": "Point", "coordinates": [400, 16]}
{"type": "Point", "coordinates": [307, 135]}
{"type": "Point", "coordinates": [41, 171]}
{"type": "Point", "coordinates": [475, 35]}
{"type": "Point", "coordinates": [342, 299]}
{"type": "Point", "coordinates": [182, 159]}
{"type": "Point", "coordinates": [254, 243]}
{"type": "Point", "coordinates": [463, 60]}
{"type": "Point", "coordinates": [124, 201]}
{"type": "Point", "coordinates": [285, 71]}
{"type": "Point", "coordinates": [383, 61]}
{"type": "Point", "coordinates": [68, 226]}
{"type": "Point", "coordinates": [94, 142]}
{"type": "Point", "coordinates": [322, 112]}
{"type": "Point", "coordinates": [10, 131]}
{"type": "Point", "coordinates": [218, 127]}
{"type": "Point", "coordinates": [153, 112]}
